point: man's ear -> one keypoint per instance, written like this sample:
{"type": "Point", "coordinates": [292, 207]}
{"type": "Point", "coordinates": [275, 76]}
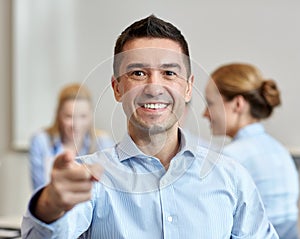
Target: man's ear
{"type": "Point", "coordinates": [189, 89]}
{"type": "Point", "coordinates": [116, 87]}
{"type": "Point", "coordinates": [239, 104]}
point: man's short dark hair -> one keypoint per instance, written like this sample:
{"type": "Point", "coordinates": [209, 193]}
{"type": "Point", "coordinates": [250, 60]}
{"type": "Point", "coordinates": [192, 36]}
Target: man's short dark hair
{"type": "Point", "coordinates": [152, 27]}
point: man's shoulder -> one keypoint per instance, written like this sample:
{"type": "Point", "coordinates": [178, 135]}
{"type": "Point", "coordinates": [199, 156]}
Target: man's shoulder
{"type": "Point", "coordinates": [214, 160]}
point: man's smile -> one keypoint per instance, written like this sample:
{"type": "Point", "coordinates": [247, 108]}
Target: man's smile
{"type": "Point", "coordinates": [154, 106]}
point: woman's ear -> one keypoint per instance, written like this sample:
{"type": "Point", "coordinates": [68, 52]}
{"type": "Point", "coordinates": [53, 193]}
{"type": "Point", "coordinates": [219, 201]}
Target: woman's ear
{"type": "Point", "coordinates": [239, 104]}
{"type": "Point", "coordinates": [115, 83]}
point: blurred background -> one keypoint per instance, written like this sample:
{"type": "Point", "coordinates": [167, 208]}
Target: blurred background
{"type": "Point", "coordinates": [45, 44]}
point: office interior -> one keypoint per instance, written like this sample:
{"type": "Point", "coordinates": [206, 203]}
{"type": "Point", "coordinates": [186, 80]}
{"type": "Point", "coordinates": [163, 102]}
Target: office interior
{"type": "Point", "coordinates": [15, 189]}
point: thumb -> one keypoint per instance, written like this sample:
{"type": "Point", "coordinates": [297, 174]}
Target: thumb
{"type": "Point", "coordinates": [64, 160]}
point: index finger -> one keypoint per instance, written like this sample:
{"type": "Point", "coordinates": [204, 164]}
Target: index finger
{"type": "Point", "coordinates": [64, 160]}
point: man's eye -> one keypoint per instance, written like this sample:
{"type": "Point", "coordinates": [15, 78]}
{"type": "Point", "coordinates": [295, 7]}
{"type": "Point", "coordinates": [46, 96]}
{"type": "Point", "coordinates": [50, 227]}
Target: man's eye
{"type": "Point", "coordinates": [170, 73]}
{"type": "Point", "coordinates": [137, 73]}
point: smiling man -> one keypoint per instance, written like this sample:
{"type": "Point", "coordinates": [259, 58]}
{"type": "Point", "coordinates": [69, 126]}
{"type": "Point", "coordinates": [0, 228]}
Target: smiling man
{"type": "Point", "coordinates": [153, 91]}
{"type": "Point", "coordinates": [154, 183]}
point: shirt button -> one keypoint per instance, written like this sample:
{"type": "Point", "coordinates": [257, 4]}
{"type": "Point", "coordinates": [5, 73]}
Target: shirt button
{"type": "Point", "coordinates": [170, 219]}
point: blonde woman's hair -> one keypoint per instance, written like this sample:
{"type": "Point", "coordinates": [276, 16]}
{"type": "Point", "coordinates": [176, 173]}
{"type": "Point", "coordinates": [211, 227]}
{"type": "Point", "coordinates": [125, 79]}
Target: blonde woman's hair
{"type": "Point", "coordinates": [246, 80]}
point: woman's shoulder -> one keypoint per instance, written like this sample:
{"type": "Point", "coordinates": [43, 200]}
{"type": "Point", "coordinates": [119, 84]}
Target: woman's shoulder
{"type": "Point", "coordinates": [43, 137]}
{"type": "Point", "coordinates": [101, 133]}
{"type": "Point", "coordinates": [104, 139]}
{"type": "Point", "coordinates": [40, 135]}
{"type": "Point", "coordinates": [40, 140]}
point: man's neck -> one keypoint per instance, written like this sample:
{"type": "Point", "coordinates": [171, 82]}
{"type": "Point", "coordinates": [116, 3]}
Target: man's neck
{"type": "Point", "coordinates": [163, 146]}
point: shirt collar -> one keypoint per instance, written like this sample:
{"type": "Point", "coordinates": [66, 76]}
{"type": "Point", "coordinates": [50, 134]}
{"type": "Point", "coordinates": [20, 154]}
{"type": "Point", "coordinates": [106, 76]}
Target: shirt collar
{"type": "Point", "coordinates": [250, 130]}
{"type": "Point", "coordinates": [127, 148]}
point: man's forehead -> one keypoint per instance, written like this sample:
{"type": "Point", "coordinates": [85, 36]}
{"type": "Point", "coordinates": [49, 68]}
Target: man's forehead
{"type": "Point", "coordinates": [151, 57]}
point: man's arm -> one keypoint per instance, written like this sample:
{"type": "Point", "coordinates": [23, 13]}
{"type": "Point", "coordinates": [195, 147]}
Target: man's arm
{"type": "Point", "coordinates": [71, 184]}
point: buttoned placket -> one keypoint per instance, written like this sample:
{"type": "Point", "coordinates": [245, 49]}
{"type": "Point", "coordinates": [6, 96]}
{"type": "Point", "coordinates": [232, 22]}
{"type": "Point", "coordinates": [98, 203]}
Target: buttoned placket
{"type": "Point", "coordinates": [168, 207]}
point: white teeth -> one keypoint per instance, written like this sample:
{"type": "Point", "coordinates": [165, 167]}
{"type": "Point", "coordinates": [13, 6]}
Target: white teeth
{"type": "Point", "coordinates": [155, 106]}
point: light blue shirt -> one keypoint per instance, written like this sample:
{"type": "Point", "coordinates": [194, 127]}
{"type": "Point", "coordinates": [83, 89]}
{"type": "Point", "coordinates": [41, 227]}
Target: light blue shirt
{"type": "Point", "coordinates": [43, 150]}
{"type": "Point", "coordinates": [201, 195]}
{"type": "Point", "coordinates": [273, 170]}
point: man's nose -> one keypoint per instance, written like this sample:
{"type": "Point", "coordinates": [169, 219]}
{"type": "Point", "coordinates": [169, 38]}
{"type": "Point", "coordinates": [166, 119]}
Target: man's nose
{"type": "Point", "coordinates": [154, 85]}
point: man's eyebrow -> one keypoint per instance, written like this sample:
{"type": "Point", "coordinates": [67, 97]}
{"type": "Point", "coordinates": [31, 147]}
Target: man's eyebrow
{"type": "Point", "coordinates": [136, 65]}
{"type": "Point", "coordinates": [143, 65]}
{"type": "Point", "coordinates": [170, 65]}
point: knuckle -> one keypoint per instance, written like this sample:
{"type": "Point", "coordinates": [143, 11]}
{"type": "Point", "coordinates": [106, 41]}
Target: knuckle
{"type": "Point", "coordinates": [66, 202]}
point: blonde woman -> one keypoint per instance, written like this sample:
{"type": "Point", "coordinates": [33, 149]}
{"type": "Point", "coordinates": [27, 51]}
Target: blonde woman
{"type": "Point", "coordinates": [72, 129]}
{"type": "Point", "coordinates": [238, 98]}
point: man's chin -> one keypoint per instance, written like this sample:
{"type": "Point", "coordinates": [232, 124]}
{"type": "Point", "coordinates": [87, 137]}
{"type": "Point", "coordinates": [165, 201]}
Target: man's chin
{"type": "Point", "coordinates": [157, 129]}
{"type": "Point", "coordinates": [152, 129]}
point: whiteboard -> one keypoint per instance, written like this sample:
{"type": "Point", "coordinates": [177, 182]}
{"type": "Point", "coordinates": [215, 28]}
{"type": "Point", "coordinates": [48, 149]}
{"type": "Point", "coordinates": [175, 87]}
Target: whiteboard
{"type": "Point", "coordinates": [56, 42]}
